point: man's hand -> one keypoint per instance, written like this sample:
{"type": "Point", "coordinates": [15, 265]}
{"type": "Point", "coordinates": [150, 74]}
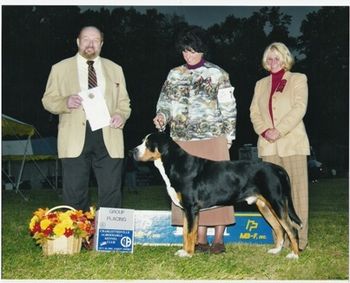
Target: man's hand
{"type": "Point", "coordinates": [117, 121]}
{"type": "Point", "coordinates": [74, 101]}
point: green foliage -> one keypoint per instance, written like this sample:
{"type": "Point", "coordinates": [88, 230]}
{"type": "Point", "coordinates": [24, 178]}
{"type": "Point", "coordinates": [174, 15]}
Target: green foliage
{"type": "Point", "coordinates": [324, 43]}
{"type": "Point", "coordinates": [326, 258]}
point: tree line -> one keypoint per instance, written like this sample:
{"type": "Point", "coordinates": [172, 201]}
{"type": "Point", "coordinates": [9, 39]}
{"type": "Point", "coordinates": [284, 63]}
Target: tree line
{"type": "Point", "coordinates": [36, 37]}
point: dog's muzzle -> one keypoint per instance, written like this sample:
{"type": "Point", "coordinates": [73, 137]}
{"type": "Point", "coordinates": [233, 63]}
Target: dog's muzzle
{"type": "Point", "coordinates": [136, 153]}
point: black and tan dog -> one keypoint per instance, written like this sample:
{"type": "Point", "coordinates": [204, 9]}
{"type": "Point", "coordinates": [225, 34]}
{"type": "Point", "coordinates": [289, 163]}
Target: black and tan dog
{"type": "Point", "coordinates": [194, 183]}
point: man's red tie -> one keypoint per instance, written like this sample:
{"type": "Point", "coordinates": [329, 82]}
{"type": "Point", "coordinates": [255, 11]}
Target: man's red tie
{"type": "Point", "coordinates": [92, 81]}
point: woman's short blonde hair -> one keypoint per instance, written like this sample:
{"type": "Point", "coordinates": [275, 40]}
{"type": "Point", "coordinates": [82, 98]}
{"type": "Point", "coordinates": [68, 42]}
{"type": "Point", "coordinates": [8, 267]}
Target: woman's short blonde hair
{"type": "Point", "coordinates": [285, 56]}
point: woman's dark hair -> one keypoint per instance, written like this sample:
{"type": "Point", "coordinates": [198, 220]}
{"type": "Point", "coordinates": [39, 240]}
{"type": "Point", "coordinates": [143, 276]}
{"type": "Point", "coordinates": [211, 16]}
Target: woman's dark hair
{"type": "Point", "coordinates": [192, 38]}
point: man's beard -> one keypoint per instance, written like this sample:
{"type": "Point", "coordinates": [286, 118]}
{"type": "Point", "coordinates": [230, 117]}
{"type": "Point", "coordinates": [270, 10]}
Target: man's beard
{"type": "Point", "coordinates": [88, 55]}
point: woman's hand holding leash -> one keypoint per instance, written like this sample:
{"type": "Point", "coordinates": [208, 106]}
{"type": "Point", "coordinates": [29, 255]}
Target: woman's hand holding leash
{"type": "Point", "coordinates": [159, 122]}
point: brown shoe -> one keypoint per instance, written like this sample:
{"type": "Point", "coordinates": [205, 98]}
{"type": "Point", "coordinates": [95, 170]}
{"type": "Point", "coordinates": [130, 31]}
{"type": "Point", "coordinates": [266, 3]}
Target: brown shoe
{"type": "Point", "coordinates": [217, 248]}
{"type": "Point", "coordinates": [201, 248]}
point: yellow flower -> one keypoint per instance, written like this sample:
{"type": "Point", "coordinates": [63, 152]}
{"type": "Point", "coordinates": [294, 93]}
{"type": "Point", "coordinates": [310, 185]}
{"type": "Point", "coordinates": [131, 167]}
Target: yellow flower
{"type": "Point", "coordinates": [59, 229]}
{"type": "Point", "coordinates": [68, 223]}
{"type": "Point", "coordinates": [91, 214]}
{"type": "Point", "coordinates": [44, 223]}
{"type": "Point", "coordinates": [65, 219]}
{"type": "Point", "coordinates": [33, 221]}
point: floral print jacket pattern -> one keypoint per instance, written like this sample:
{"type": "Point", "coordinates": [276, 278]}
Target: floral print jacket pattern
{"type": "Point", "coordinates": [198, 103]}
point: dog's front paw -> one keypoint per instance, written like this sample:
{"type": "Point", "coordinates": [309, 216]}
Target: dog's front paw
{"type": "Point", "coordinates": [275, 250]}
{"type": "Point", "coordinates": [182, 253]}
{"type": "Point", "coordinates": [292, 255]}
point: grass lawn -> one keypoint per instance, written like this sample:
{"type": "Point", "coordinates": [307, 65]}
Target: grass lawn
{"type": "Point", "coordinates": [327, 257]}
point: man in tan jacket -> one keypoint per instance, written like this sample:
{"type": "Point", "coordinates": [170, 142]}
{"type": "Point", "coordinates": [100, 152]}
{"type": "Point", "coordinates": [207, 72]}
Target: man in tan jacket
{"type": "Point", "coordinates": [80, 148]}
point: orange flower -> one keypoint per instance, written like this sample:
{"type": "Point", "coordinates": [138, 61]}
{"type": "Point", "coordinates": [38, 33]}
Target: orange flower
{"type": "Point", "coordinates": [41, 212]}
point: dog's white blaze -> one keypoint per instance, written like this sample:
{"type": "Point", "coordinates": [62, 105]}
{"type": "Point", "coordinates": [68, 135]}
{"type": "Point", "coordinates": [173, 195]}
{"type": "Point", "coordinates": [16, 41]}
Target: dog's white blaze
{"type": "Point", "coordinates": [171, 191]}
{"type": "Point", "coordinates": [251, 200]}
{"type": "Point", "coordinates": [142, 148]}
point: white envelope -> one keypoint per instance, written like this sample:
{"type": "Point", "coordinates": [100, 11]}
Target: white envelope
{"type": "Point", "coordinates": [95, 107]}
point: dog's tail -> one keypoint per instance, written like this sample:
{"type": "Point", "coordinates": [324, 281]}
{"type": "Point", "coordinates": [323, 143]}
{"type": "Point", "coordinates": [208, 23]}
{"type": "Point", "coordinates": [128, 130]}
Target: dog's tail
{"type": "Point", "coordinates": [293, 216]}
{"type": "Point", "coordinates": [289, 203]}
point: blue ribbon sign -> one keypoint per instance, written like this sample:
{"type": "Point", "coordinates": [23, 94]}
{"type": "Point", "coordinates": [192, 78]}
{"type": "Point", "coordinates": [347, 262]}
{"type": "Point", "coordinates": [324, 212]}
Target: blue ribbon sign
{"type": "Point", "coordinates": [154, 228]}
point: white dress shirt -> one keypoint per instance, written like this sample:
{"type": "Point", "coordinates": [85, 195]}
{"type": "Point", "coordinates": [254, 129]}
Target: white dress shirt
{"type": "Point", "coordinates": [83, 73]}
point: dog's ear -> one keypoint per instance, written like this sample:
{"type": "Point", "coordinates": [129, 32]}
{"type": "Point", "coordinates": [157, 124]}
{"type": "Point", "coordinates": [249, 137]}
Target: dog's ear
{"type": "Point", "coordinates": [161, 142]}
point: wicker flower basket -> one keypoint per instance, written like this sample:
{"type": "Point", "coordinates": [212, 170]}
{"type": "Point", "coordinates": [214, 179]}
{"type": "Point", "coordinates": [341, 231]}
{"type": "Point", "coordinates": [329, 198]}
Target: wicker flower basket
{"type": "Point", "coordinates": [62, 244]}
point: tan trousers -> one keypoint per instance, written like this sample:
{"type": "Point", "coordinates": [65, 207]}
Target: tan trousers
{"type": "Point", "coordinates": [296, 167]}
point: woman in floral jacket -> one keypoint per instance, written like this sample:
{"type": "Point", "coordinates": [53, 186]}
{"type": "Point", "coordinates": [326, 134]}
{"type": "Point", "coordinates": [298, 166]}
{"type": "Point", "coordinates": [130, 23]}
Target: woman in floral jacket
{"type": "Point", "coordinates": [277, 110]}
{"type": "Point", "coordinates": [197, 102]}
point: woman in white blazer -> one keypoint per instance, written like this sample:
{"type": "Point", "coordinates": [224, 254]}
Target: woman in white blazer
{"type": "Point", "coordinates": [277, 110]}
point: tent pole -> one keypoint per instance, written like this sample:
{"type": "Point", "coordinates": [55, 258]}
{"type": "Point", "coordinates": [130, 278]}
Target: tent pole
{"type": "Point", "coordinates": [9, 168]}
{"type": "Point", "coordinates": [9, 177]}
{"type": "Point", "coordinates": [56, 173]}
{"type": "Point", "coordinates": [9, 174]}
{"type": "Point", "coordinates": [43, 175]}
{"type": "Point", "coordinates": [21, 170]}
